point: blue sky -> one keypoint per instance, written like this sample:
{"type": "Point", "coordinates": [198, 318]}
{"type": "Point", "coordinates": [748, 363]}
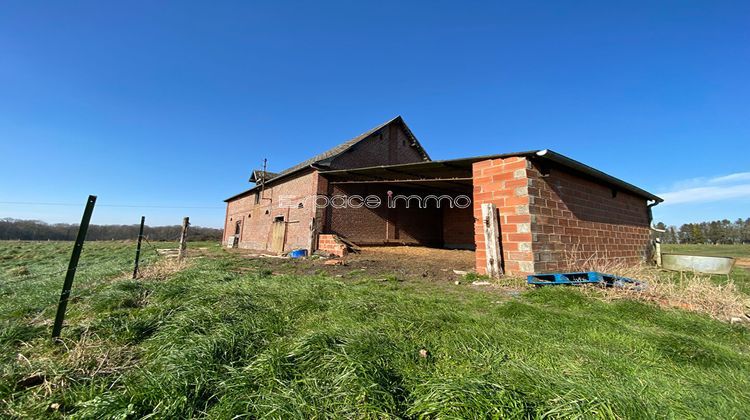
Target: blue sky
{"type": "Point", "coordinates": [170, 105]}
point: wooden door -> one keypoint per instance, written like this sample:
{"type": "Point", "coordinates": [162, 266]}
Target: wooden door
{"type": "Point", "coordinates": [278, 233]}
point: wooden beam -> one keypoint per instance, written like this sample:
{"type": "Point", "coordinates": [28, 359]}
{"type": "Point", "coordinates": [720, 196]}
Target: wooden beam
{"type": "Point", "coordinates": [492, 240]}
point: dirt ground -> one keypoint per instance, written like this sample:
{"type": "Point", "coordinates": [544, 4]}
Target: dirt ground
{"type": "Point", "coordinates": [743, 262]}
{"type": "Point", "coordinates": [402, 263]}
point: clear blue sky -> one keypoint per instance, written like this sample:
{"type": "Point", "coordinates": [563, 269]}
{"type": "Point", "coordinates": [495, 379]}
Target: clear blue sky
{"type": "Point", "coordinates": [172, 104]}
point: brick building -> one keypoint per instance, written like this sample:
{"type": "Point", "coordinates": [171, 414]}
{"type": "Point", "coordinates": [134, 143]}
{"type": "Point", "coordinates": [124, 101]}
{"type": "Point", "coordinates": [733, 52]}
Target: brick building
{"type": "Point", "coordinates": [554, 213]}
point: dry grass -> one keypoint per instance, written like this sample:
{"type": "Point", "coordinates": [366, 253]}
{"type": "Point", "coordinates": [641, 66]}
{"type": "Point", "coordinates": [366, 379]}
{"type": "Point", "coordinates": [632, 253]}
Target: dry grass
{"type": "Point", "coordinates": [72, 362]}
{"type": "Point", "coordinates": [690, 291]}
{"type": "Point", "coordinates": [163, 268]}
{"type": "Point", "coordinates": [686, 290]}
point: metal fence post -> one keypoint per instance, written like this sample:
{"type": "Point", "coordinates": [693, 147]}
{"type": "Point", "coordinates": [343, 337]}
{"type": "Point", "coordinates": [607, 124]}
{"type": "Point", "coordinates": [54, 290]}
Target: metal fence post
{"type": "Point", "coordinates": [138, 248]}
{"type": "Point", "coordinates": [71, 273]}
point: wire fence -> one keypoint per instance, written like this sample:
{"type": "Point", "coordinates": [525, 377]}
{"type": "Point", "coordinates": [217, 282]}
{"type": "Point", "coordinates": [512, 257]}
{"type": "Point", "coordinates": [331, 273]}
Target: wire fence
{"type": "Point", "coordinates": [149, 254]}
{"type": "Point", "coordinates": [90, 275]}
{"type": "Point", "coordinates": [26, 290]}
{"type": "Point", "coordinates": [113, 265]}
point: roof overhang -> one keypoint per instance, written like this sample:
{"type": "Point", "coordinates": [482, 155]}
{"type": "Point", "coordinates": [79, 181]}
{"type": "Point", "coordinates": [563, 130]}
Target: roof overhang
{"type": "Point", "coordinates": [456, 171]}
{"type": "Point", "coordinates": [576, 166]}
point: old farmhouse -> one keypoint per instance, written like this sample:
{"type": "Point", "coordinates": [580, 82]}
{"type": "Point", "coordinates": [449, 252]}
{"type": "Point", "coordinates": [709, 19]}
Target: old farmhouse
{"type": "Point", "coordinates": [382, 188]}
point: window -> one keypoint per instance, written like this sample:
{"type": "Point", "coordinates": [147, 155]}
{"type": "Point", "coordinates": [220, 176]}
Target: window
{"type": "Point", "coordinates": [257, 198]}
{"type": "Point", "coordinates": [237, 228]}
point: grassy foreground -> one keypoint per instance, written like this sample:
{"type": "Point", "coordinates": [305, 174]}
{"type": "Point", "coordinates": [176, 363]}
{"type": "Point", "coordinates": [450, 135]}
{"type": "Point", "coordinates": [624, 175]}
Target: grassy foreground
{"type": "Point", "coordinates": [226, 337]}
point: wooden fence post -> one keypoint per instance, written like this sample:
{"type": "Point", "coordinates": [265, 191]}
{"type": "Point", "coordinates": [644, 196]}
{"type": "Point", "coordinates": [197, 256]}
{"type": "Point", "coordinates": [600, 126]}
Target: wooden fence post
{"type": "Point", "coordinates": [183, 237]}
{"type": "Point", "coordinates": [138, 248]}
{"type": "Point", "coordinates": [313, 235]}
{"type": "Point", "coordinates": [72, 266]}
{"type": "Point", "coordinates": [492, 240]}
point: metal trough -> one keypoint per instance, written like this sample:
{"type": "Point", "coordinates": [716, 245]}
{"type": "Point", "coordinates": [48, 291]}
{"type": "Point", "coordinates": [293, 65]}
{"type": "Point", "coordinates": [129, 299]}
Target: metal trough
{"type": "Point", "coordinates": [697, 263]}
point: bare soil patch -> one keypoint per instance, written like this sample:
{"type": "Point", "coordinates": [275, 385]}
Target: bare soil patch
{"type": "Point", "coordinates": [401, 262]}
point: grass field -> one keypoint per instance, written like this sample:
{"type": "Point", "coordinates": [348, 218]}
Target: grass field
{"type": "Point", "coordinates": [737, 251]}
{"type": "Point", "coordinates": [228, 336]}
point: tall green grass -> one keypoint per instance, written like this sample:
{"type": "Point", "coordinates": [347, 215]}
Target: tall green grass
{"type": "Point", "coordinates": [225, 339]}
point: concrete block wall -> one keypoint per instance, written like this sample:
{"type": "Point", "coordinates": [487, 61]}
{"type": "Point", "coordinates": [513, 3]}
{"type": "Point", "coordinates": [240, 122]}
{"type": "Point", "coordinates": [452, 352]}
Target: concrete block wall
{"type": "Point", "coordinates": [554, 220]}
{"type": "Point", "coordinates": [578, 223]}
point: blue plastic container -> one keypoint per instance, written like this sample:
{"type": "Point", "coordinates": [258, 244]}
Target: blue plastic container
{"type": "Point", "coordinates": [298, 253]}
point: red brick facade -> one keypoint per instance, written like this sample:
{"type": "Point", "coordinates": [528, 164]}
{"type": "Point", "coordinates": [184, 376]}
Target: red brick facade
{"type": "Point", "coordinates": [256, 220]}
{"type": "Point", "coordinates": [553, 220]}
{"type": "Point", "coordinates": [388, 145]}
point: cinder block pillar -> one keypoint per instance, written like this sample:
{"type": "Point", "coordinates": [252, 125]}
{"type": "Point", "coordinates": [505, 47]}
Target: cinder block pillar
{"type": "Point", "coordinates": [504, 183]}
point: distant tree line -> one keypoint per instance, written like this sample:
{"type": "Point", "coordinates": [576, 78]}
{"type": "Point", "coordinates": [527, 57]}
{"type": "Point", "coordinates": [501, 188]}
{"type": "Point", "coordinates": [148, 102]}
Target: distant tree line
{"type": "Point", "coordinates": [715, 232]}
{"type": "Point", "coordinates": [35, 230]}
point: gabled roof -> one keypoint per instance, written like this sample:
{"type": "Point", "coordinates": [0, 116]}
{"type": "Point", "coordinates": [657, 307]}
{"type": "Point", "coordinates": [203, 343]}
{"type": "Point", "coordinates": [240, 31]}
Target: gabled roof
{"type": "Point", "coordinates": [324, 159]}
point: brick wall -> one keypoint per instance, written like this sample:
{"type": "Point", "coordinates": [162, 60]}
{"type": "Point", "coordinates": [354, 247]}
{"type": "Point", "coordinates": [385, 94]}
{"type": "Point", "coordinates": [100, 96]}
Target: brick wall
{"type": "Point", "coordinates": [389, 146]}
{"type": "Point", "coordinates": [330, 244]}
{"type": "Point", "coordinates": [458, 228]}
{"type": "Point", "coordinates": [504, 183]}
{"type": "Point", "coordinates": [383, 225]}
{"type": "Point", "coordinates": [579, 223]}
{"type": "Point", "coordinates": [256, 219]}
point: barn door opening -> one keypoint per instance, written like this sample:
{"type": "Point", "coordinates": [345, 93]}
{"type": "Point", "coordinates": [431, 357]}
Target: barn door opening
{"type": "Point", "coordinates": [278, 234]}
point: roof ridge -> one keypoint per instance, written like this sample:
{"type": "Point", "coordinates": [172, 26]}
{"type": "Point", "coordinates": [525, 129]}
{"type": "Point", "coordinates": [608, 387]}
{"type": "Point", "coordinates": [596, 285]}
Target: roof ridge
{"type": "Point", "coordinates": [338, 149]}
{"type": "Point", "coordinates": [341, 148]}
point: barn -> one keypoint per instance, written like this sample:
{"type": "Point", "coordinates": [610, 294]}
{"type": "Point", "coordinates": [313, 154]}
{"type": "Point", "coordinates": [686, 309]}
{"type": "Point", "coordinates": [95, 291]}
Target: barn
{"type": "Point", "coordinates": [524, 212]}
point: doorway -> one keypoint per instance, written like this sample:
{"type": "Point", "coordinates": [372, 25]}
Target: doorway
{"type": "Point", "coordinates": [278, 235]}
